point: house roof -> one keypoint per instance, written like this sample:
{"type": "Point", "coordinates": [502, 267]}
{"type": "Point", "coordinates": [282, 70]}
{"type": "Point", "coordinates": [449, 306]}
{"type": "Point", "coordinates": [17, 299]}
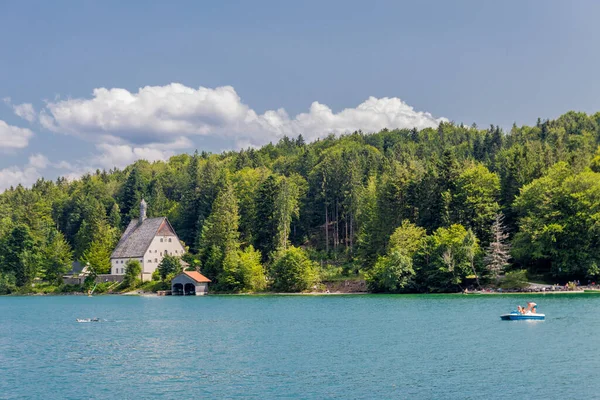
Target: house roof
{"type": "Point", "coordinates": [137, 237]}
{"type": "Point", "coordinates": [78, 268]}
{"type": "Point", "coordinates": [197, 276]}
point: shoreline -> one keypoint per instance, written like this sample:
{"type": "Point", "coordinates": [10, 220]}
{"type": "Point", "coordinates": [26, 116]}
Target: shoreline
{"type": "Point", "coordinates": [266, 294]}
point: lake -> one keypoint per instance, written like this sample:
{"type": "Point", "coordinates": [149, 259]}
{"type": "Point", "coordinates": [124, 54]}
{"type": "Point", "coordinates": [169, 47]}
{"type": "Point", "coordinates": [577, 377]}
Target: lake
{"type": "Point", "coordinates": [369, 346]}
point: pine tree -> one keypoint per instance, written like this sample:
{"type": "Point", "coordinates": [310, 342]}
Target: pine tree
{"type": "Point", "coordinates": [21, 255]}
{"type": "Point", "coordinates": [220, 235]}
{"type": "Point", "coordinates": [368, 225]}
{"type": "Point", "coordinates": [133, 191]}
{"type": "Point", "coordinates": [211, 180]}
{"type": "Point", "coordinates": [286, 209]}
{"type": "Point", "coordinates": [498, 252]}
{"type": "Point", "coordinates": [266, 224]}
{"type": "Point", "coordinates": [104, 238]}
{"type": "Point", "coordinates": [57, 257]}
{"type": "Point", "coordinates": [114, 218]}
{"type": "Point", "coordinates": [158, 202]}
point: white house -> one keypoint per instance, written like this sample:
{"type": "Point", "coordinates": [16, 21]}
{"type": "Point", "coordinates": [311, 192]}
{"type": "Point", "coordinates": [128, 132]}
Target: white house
{"type": "Point", "coordinates": [147, 240]}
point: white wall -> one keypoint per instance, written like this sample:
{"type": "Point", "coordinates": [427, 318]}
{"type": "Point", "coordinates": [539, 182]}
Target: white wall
{"type": "Point", "coordinates": [152, 258]}
{"type": "Point", "coordinates": [156, 252]}
{"type": "Point", "coordinates": [118, 265]}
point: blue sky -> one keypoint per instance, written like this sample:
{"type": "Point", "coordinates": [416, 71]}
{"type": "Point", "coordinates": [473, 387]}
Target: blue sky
{"type": "Point", "coordinates": [217, 73]}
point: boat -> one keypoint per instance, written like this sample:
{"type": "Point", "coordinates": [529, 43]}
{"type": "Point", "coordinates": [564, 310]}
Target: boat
{"type": "Point", "coordinates": [529, 313]}
{"type": "Point", "coordinates": [517, 316]}
{"type": "Point", "coordinates": [88, 319]}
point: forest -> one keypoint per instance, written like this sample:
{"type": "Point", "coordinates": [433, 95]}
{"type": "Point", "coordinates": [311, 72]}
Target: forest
{"type": "Point", "coordinates": [415, 211]}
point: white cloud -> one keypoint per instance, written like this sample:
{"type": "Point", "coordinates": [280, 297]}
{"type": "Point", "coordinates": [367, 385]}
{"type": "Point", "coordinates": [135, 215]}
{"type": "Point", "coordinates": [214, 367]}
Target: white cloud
{"type": "Point", "coordinates": [159, 114]}
{"type": "Point", "coordinates": [13, 137]}
{"type": "Point", "coordinates": [26, 176]}
{"type": "Point", "coordinates": [156, 121]}
{"type": "Point", "coordinates": [121, 155]}
{"type": "Point", "coordinates": [38, 161]}
{"type": "Point", "coordinates": [25, 110]}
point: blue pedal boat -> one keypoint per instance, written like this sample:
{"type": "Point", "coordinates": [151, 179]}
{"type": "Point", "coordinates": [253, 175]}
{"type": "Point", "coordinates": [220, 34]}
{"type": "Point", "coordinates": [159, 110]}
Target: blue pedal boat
{"type": "Point", "coordinates": [517, 316]}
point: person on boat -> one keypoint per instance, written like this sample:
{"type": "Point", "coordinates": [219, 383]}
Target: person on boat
{"type": "Point", "coordinates": [521, 310]}
{"type": "Point", "coordinates": [531, 307]}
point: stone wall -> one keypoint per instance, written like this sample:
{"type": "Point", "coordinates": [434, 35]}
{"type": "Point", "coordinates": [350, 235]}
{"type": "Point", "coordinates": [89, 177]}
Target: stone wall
{"type": "Point", "coordinates": [109, 278]}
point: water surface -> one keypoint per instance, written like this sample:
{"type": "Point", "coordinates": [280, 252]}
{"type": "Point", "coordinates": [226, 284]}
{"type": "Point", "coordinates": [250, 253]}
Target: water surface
{"type": "Point", "coordinates": [343, 347]}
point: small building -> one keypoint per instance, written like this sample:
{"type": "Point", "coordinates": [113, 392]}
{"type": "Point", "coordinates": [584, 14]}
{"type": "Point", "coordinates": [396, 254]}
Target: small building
{"type": "Point", "coordinates": [77, 274]}
{"type": "Point", "coordinates": [189, 283]}
{"type": "Point", "coordinates": [146, 240]}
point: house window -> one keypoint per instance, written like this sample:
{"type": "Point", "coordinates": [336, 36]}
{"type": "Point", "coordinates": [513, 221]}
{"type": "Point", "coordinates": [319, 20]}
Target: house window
{"type": "Point", "coordinates": [161, 239]}
{"type": "Point", "coordinates": [150, 261]}
{"type": "Point", "coordinates": [156, 251]}
{"type": "Point", "coordinates": [176, 251]}
{"type": "Point", "coordinates": [166, 252]}
{"type": "Point", "coordinates": [161, 253]}
{"type": "Point", "coordinates": [169, 240]}
{"type": "Point", "coordinates": [156, 260]}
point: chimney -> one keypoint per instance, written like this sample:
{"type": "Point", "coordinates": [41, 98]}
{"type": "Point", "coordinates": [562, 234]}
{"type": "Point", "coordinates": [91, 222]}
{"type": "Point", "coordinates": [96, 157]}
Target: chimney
{"type": "Point", "coordinates": [143, 208]}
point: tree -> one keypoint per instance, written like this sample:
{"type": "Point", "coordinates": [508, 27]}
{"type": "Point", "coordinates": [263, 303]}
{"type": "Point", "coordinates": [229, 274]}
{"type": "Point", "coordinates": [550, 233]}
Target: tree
{"type": "Point", "coordinates": [558, 229]}
{"type": "Point", "coordinates": [407, 238]}
{"type": "Point", "coordinates": [292, 271]}
{"type": "Point", "coordinates": [475, 199]}
{"type": "Point", "coordinates": [133, 191]}
{"type": "Point", "coordinates": [20, 255]}
{"type": "Point", "coordinates": [391, 273]}
{"type": "Point", "coordinates": [243, 272]}
{"type": "Point", "coordinates": [252, 270]}
{"type": "Point", "coordinates": [133, 272]}
{"type": "Point", "coordinates": [446, 259]}
{"type": "Point", "coordinates": [169, 266]}
{"type": "Point", "coordinates": [8, 283]}
{"type": "Point", "coordinates": [266, 223]}
{"type": "Point", "coordinates": [368, 225]}
{"type": "Point", "coordinates": [57, 257]}
{"type": "Point", "coordinates": [114, 218]}
{"type": "Point", "coordinates": [104, 239]}
{"type": "Point", "coordinates": [220, 235]}
{"type": "Point", "coordinates": [286, 209]}
{"type": "Point", "coordinates": [498, 251]}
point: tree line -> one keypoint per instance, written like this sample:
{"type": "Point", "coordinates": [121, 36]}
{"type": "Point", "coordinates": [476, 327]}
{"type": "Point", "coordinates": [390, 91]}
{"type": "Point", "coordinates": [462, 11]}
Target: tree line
{"type": "Point", "coordinates": [429, 210]}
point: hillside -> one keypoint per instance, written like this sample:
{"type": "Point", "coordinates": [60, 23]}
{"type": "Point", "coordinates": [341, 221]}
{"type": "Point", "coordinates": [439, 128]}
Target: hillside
{"type": "Point", "coordinates": [291, 213]}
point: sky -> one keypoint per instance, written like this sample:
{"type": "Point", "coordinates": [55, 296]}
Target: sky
{"type": "Point", "coordinates": [99, 84]}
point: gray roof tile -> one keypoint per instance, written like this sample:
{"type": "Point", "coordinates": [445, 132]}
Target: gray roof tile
{"type": "Point", "coordinates": [136, 239]}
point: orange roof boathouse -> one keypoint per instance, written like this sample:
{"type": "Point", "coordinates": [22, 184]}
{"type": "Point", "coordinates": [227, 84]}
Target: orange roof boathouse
{"type": "Point", "coordinates": [189, 283]}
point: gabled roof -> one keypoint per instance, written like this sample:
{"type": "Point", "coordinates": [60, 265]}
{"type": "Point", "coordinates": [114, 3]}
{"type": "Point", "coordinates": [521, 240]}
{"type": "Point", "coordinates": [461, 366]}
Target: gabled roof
{"type": "Point", "coordinates": [78, 268]}
{"type": "Point", "coordinates": [137, 238]}
{"type": "Point", "coordinates": [197, 276]}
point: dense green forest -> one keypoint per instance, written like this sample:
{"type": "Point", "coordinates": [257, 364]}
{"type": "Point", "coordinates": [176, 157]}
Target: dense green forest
{"type": "Point", "coordinates": [417, 211]}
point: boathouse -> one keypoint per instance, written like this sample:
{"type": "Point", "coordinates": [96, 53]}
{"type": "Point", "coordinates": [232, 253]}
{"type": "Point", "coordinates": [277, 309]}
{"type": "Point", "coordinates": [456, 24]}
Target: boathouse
{"type": "Point", "coordinates": [189, 283]}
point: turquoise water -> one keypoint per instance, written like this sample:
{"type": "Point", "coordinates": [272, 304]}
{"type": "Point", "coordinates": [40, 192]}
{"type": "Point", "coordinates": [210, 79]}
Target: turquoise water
{"type": "Point", "coordinates": [429, 347]}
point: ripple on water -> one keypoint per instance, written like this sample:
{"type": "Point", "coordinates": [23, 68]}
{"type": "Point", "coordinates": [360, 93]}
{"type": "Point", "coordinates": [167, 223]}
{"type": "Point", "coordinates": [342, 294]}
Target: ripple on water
{"type": "Point", "coordinates": [297, 347]}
